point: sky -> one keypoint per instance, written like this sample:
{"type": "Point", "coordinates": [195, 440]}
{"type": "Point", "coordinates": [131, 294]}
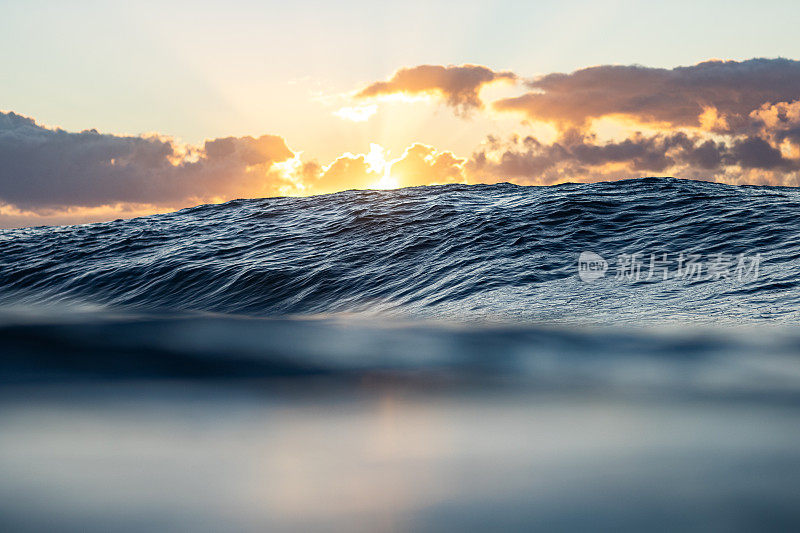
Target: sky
{"type": "Point", "coordinates": [115, 109]}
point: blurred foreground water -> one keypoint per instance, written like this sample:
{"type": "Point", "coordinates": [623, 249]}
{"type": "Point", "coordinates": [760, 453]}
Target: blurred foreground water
{"type": "Point", "coordinates": [210, 424]}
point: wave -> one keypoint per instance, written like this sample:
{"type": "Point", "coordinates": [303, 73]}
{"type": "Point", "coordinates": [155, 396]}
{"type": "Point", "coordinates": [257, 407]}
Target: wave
{"type": "Point", "coordinates": [479, 282]}
{"type": "Point", "coordinates": [455, 252]}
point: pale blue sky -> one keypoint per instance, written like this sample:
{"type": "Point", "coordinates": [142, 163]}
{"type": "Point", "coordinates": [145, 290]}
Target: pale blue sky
{"type": "Point", "coordinates": [206, 69]}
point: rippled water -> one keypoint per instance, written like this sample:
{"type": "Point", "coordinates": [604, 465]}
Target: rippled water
{"type": "Point", "coordinates": [488, 252]}
{"type": "Point", "coordinates": [419, 266]}
{"type": "Point", "coordinates": [436, 343]}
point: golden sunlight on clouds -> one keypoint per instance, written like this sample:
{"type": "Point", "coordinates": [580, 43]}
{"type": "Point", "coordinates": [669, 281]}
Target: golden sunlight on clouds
{"type": "Point", "coordinates": [734, 122]}
{"type": "Point", "coordinates": [424, 165]}
{"type": "Point", "coordinates": [460, 86]}
{"type": "Point", "coordinates": [711, 120]}
{"type": "Point", "coordinates": [12, 216]}
{"type": "Point", "coordinates": [419, 164]}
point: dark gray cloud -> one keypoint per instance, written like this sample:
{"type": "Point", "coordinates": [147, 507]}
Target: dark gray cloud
{"type": "Point", "coordinates": [755, 152]}
{"type": "Point", "coordinates": [576, 155]}
{"type": "Point", "coordinates": [43, 168]}
{"type": "Point", "coordinates": [705, 155]}
{"type": "Point", "coordinates": [745, 115]}
{"type": "Point", "coordinates": [529, 158]}
{"type": "Point", "coordinates": [677, 97]}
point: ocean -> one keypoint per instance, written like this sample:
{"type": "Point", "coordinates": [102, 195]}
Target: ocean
{"type": "Point", "coordinates": [618, 355]}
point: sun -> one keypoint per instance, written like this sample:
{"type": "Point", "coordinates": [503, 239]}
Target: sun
{"type": "Point", "coordinates": [376, 160]}
{"type": "Point", "coordinates": [386, 182]}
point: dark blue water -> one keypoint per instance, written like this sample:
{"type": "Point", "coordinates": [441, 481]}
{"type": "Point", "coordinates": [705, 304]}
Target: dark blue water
{"type": "Point", "coordinates": [427, 358]}
{"type": "Point", "coordinates": [492, 262]}
{"type": "Point", "coordinates": [496, 252]}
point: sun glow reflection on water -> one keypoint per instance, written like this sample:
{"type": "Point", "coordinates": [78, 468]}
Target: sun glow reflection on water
{"type": "Point", "coordinates": [383, 459]}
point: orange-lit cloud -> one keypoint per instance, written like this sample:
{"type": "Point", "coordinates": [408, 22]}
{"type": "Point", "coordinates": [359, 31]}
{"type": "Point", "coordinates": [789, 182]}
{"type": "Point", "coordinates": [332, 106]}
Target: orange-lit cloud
{"type": "Point", "coordinates": [424, 165]}
{"type": "Point", "coordinates": [729, 90]}
{"type": "Point", "coordinates": [346, 172]}
{"type": "Point", "coordinates": [419, 164]}
{"type": "Point", "coordinates": [780, 123]}
{"type": "Point", "coordinates": [459, 85]}
{"type": "Point", "coordinates": [734, 122]}
{"type": "Point", "coordinates": [578, 156]}
{"type": "Point", "coordinates": [43, 168]}
{"type": "Point", "coordinates": [12, 216]}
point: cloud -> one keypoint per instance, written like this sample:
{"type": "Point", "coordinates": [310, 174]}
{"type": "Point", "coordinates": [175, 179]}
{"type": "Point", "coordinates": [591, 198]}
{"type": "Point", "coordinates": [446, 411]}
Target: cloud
{"type": "Point", "coordinates": [459, 85]}
{"type": "Point", "coordinates": [13, 217]}
{"type": "Point", "coordinates": [780, 122]}
{"type": "Point", "coordinates": [720, 95]}
{"type": "Point", "coordinates": [348, 171]}
{"type": "Point", "coordinates": [43, 169]}
{"type": "Point", "coordinates": [755, 152]}
{"type": "Point", "coordinates": [734, 122]}
{"type": "Point", "coordinates": [419, 164]}
{"type": "Point", "coordinates": [54, 176]}
{"type": "Point", "coordinates": [529, 159]}
{"type": "Point", "coordinates": [577, 156]}
{"type": "Point", "coordinates": [424, 165]}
